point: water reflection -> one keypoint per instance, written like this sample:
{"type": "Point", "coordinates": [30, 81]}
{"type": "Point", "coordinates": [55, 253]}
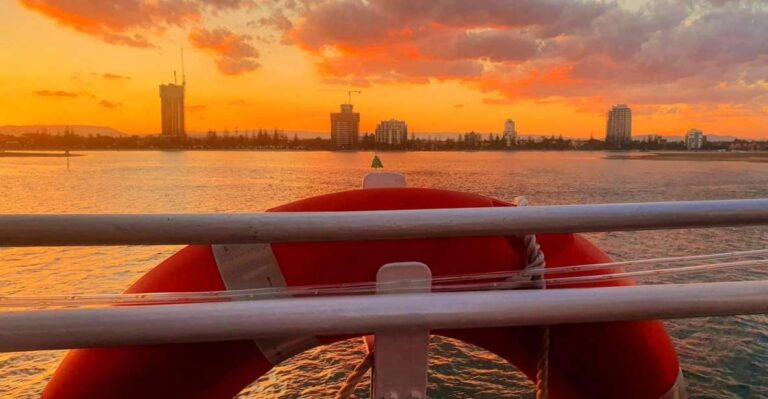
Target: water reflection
{"type": "Point", "coordinates": [723, 357]}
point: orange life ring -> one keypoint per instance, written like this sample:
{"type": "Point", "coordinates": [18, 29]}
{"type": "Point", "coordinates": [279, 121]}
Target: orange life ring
{"type": "Point", "coordinates": [601, 360]}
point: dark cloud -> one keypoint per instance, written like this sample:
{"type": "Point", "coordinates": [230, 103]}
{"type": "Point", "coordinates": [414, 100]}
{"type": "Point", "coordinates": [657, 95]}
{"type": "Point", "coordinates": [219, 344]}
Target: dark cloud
{"type": "Point", "coordinates": [277, 20]}
{"type": "Point", "coordinates": [664, 52]}
{"type": "Point", "coordinates": [493, 45]}
{"type": "Point", "coordinates": [114, 76]}
{"type": "Point", "coordinates": [109, 104]}
{"type": "Point", "coordinates": [56, 93]}
{"type": "Point", "coordinates": [227, 4]}
{"type": "Point", "coordinates": [234, 52]}
{"type": "Point", "coordinates": [555, 15]}
{"type": "Point", "coordinates": [344, 23]}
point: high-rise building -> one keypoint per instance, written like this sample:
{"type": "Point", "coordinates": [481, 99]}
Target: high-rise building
{"type": "Point", "coordinates": [392, 132]}
{"type": "Point", "coordinates": [694, 139]}
{"type": "Point", "coordinates": [618, 132]}
{"type": "Point", "coordinates": [345, 127]}
{"type": "Point", "coordinates": [510, 134]}
{"type": "Point", "coordinates": [172, 109]}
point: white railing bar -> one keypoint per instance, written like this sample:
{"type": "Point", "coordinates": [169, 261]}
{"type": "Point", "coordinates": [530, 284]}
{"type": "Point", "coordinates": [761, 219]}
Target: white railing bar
{"type": "Point", "coordinates": [138, 325]}
{"type": "Point", "coordinates": [466, 282]}
{"type": "Point", "coordinates": [159, 229]}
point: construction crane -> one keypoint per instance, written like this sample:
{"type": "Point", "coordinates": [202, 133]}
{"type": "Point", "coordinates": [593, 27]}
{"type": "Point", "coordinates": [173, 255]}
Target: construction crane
{"type": "Point", "coordinates": [349, 95]}
{"type": "Point", "coordinates": [183, 74]}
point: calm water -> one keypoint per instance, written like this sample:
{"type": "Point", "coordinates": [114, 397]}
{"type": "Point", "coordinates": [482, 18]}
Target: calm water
{"type": "Point", "coordinates": [722, 357]}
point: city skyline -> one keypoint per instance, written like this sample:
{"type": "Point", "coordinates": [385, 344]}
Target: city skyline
{"type": "Point", "coordinates": [279, 66]}
{"type": "Point", "coordinates": [345, 125]}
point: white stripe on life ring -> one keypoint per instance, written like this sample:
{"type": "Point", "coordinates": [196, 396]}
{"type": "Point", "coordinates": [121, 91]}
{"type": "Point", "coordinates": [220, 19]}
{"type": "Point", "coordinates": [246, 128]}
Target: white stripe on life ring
{"type": "Point", "coordinates": [678, 389]}
{"type": "Point", "coordinates": [248, 266]}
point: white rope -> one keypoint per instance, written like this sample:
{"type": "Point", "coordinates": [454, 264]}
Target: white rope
{"type": "Point", "coordinates": [535, 261]}
{"type": "Point", "coordinates": [467, 282]}
{"type": "Point", "coordinates": [354, 378]}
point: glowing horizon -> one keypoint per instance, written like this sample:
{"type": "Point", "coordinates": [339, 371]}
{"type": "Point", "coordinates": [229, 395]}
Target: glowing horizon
{"type": "Point", "coordinates": [555, 67]}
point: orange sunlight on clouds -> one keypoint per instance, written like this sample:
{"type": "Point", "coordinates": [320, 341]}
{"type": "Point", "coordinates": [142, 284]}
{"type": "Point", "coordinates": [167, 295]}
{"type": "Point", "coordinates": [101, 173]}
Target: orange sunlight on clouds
{"type": "Point", "coordinates": [555, 66]}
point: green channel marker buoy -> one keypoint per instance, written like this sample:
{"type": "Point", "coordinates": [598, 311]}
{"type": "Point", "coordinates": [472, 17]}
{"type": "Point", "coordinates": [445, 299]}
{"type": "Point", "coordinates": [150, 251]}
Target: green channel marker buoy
{"type": "Point", "coordinates": [376, 164]}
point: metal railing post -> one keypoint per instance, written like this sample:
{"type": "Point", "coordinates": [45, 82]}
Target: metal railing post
{"type": "Point", "coordinates": [400, 358]}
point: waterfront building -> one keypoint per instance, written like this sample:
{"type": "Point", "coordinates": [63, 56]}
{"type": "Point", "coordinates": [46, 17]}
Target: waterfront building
{"type": "Point", "coordinates": [618, 132]}
{"type": "Point", "coordinates": [510, 134]}
{"type": "Point", "coordinates": [392, 132]}
{"type": "Point", "coordinates": [345, 127]}
{"type": "Point", "coordinates": [172, 110]}
{"type": "Point", "coordinates": [694, 139]}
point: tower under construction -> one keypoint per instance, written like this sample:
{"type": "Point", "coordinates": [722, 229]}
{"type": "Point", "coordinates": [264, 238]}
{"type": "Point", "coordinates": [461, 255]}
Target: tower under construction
{"type": "Point", "coordinates": [172, 105]}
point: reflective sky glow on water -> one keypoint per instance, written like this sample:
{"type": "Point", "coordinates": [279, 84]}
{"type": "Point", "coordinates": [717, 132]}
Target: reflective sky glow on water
{"type": "Point", "coordinates": [722, 357]}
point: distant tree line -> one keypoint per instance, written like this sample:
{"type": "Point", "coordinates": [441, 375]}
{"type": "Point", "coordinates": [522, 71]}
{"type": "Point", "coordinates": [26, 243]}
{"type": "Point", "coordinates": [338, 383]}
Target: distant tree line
{"type": "Point", "coordinates": [473, 141]}
{"type": "Point", "coordinates": [470, 141]}
{"type": "Point", "coordinates": [277, 139]}
{"type": "Point", "coordinates": [260, 139]}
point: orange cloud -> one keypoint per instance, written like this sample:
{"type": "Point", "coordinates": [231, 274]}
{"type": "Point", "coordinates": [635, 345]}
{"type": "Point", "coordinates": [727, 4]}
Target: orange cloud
{"type": "Point", "coordinates": [122, 22]}
{"type": "Point", "coordinates": [127, 22]}
{"type": "Point", "coordinates": [586, 53]}
{"type": "Point", "coordinates": [136, 23]}
{"type": "Point", "coordinates": [234, 53]}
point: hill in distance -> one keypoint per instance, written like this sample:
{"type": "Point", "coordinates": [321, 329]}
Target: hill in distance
{"type": "Point", "coordinates": [82, 130]}
{"type": "Point", "coordinates": [302, 134]}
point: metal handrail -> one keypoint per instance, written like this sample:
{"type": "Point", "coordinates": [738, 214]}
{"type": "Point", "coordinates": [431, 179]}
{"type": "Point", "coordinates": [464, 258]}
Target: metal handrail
{"type": "Point", "coordinates": [160, 229]}
{"type": "Point", "coordinates": [139, 325]}
{"type": "Point", "coordinates": [156, 324]}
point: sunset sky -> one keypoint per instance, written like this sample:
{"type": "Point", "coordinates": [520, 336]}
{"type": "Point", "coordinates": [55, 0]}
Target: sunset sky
{"type": "Point", "coordinates": [554, 66]}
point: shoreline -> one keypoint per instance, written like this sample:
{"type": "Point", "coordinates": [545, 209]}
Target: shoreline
{"type": "Point", "coordinates": [695, 156]}
{"type": "Point", "coordinates": [674, 155]}
{"type": "Point", "coordinates": [31, 154]}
